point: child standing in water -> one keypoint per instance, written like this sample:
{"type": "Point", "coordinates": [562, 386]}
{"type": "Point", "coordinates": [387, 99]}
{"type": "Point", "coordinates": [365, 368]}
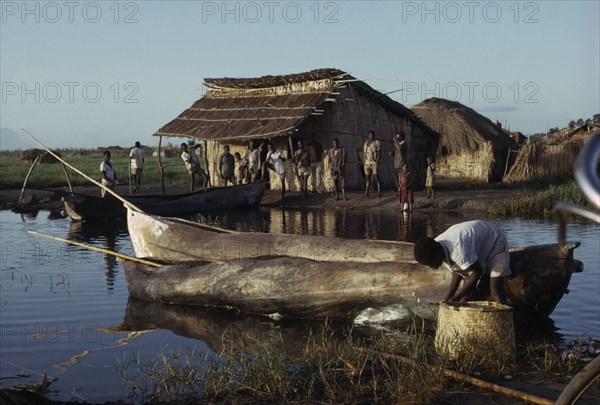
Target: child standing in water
{"type": "Point", "coordinates": [405, 194]}
{"type": "Point", "coordinates": [430, 179]}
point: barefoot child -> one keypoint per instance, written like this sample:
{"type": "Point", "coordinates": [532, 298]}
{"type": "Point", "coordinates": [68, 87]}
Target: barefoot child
{"type": "Point", "coordinates": [430, 179]}
{"type": "Point", "coordinates": [405, 194]}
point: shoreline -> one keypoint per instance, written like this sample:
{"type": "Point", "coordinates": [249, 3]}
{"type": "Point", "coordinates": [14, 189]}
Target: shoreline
{"type": "Point", "coordinates": [470, 197]}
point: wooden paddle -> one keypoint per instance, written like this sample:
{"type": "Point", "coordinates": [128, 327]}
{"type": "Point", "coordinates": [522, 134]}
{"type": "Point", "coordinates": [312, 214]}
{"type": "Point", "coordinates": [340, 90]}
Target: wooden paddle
{"type": "Point", "coordinates": [108, 190]}
{"type": "Point", "coordinates": [109, 252]}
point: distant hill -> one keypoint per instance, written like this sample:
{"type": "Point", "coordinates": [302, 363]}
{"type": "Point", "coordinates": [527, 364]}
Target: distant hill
{"type": "Point", "coordinates": [11, 140]}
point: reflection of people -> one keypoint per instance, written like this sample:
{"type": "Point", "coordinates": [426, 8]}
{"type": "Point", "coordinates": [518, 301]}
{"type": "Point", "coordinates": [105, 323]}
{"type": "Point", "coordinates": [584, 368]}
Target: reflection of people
{"type": "Point", "coordinates": [399, 154]}
{"type": "Point", "coordinates": [188, 155]}
{"type": "Point", "coordinates": [371, 150]}
{"type": "Point", "coordinates": [109, 174]}
{"type": "Point", "coordinates": [315, 152]}
{"type": "Point", "coordinates": [405, 227]}
{"type": "Point", "coordinates": [275, 161]}
{"type": "Point", "coordinates": [227, 167]}
{"type": "Point", "coordinates": [302, 166]}
{"type": "Point", "coordinates": [469, 250]}
{"type": "Point", "coordinates": [337, 159]}
{"type": "Point", "coordinates": [430, 178]}
{"type": "Point", "coordinates": [405, 194]}
{"type": "Point", "coordinates": [136, 165]}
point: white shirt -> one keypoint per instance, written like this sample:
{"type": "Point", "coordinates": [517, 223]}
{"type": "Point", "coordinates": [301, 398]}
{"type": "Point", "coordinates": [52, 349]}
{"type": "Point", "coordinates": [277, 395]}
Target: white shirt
{"type": "Point", "coordinates": [136, 156]}
{"type": "Point", "coordinates": [469, 242]}
{"type": "Point", "coordinates": [190, 159]}
{"type": "Point", "coordinates": [109, 169]}
{"type": "Point", "coordinates": [277, 158]}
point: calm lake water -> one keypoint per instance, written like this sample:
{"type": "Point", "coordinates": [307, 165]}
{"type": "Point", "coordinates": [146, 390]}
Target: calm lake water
{"type": "Point", "coordinates": [65, 310]}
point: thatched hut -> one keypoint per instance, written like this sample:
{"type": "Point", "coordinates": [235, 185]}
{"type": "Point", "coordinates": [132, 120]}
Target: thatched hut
{"type": "Point", "coordinates": [322, 104]}
{"type": "Point", "coordinates": [553, 155]}
{"type": "Point", "coordinates": [471, 147]}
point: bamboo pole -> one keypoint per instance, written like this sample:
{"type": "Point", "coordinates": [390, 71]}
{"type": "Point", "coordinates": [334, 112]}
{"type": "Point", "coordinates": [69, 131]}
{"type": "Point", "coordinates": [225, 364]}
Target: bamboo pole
{"type": "Point", "coordinates": [534, 399]}
{"type": "Point", "coordinates": [161, 167]}
{"type": "Point", "coordinates": [108, 190]}
{"type": "Point", "coordinates": [27, 178]}
{"type": "Point", "coordinates": [109, 252]}
{"type": "Point", "coordinates": [68, 178]}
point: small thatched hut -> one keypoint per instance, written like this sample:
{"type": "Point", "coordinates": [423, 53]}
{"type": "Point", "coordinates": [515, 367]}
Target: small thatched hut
{"type": "Point", "coordinates": [471, 147]}
{"type": "Point", "coordinates": [322, 104]}
{"type": "Point", "coordinates": [553, 155]}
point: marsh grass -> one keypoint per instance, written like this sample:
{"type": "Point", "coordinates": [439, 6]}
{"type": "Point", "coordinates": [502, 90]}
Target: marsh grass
{"type": "Point", "coordinates": [540, 204]}
{"type": "Point", "coordinates": [13, 170]}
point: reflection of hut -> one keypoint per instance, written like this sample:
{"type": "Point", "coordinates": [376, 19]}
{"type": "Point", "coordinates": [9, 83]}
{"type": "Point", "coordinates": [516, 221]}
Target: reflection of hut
{"type": "Point", "coordinates": [283, 109]}
{"type": "Point", "coordinates": [471, 146]}
{"type": "Point", "coordinates": [550, 156]}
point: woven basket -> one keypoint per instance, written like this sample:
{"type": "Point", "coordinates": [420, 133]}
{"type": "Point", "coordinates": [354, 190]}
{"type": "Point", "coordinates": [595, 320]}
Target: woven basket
{"type": "Point", "coordinates": [475, 327]}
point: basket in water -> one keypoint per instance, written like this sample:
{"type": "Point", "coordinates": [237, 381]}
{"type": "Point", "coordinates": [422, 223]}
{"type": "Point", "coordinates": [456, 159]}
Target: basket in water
{"type": "Point", "coordinates": [475, 327]}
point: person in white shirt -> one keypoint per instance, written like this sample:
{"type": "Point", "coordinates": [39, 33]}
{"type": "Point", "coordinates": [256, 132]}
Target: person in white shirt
{"type": "Point", "coordinates": [252, 156]}
{"type": "Point", "coordinates": [188, 155]}
{"type": "Point", "coordinates": [136, 165]}
{"type": "Point", "coordinates": [109, 174]}
{"type": "Point", "coordinates": [275, 161]}
{"type": "Point", "coordinates": [371, 150]}
{"type": "Point", "coordinates": [469, 250]}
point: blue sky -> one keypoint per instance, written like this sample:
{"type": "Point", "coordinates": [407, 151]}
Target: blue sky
{"type": "Point", "coordinates": [102, 73]}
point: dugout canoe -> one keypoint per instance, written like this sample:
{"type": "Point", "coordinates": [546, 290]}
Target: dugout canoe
{"type": "Point", "coordinates": [89, 208]}
{"type": "Point", "coordinates": [180, 239]}
{"type": "Point", "coordinates": [305, 288]}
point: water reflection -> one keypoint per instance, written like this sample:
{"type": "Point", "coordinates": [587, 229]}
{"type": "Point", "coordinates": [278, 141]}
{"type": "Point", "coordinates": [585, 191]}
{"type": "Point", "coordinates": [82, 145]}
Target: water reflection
{"type": "Point", "coordinates": [104, 235]}
{"type": "Point", "coordinates": [221, 328]}
{"type": "Point", "coordinates": [347, 223]}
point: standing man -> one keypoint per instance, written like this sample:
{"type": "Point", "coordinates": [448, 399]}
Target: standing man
{"type": "Point", "coordinates": [188, 155]}
{"type": "Point", "coordinates": [337, 157]}
{"type": "Point", "coordinates": [252, 156]}
{"type": "Point", "coordinates": [469, 250]}
{"type": "Point", "coordinates": [399, 154]}
{"type": "Point", "coordinates": [371, 150]}
{"type": "Point", "coordinates": [315, 152]}
{"type": "Point", "coordinates": [136, 165]}
{"type": "Point", "coordinates": [227, 167]}
{"type": "Point", "coordinates": [109, 175]}
{"type": "Point", "coordinates": [275, 160]}
{"type": "Point", "coordinates": [302, 164]}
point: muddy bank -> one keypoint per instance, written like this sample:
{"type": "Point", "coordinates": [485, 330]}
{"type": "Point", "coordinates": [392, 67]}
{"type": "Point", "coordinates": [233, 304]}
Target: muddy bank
{"type": "Point", "coordinates": [452, 197]}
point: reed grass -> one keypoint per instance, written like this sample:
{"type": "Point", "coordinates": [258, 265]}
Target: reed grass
{"type": "Point", "coordinates": [540, 204]}
{"type": "Point", "coordinates": [13, 170]}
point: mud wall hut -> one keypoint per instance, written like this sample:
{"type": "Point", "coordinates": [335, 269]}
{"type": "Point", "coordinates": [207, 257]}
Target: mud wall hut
{"type": "Point", "coordinates": [319, 105]}
{"type": "Point", "coordinates": [550, 156]}
{"type": "Point", "coordinates": [471, 147]}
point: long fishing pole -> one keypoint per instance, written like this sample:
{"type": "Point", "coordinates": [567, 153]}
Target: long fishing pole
{"type": "Point", "coordinates": [110, 252]}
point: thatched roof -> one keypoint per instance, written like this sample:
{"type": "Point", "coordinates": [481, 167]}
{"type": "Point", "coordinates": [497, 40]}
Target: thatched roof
{"type": "Point", "coordinates": [461, 128]}
{"type": "Point", "coordinates": [566, 135]}
{"type": "Point", "coordinates": [270, 106]}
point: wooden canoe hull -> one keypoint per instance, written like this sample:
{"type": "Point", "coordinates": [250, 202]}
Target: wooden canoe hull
{"type": "Point", "coordinates": [80, 207]}
{"type": "Point", "coordinates": [305, 288]}
{"type": "Point", "coordinates": [178, 239]}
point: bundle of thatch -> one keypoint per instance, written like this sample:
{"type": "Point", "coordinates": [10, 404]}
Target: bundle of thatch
{"type": "Point", "coordinates": [471, 146]}
{"type": "Point", "coordinates": [30, 155]}
{"type": "Point", "coordinates": [550, 156]}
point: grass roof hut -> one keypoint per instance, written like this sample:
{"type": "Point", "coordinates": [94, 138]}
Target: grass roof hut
{"type": "Point", "coordinates": [550, 156]}
{"type": "Point", "coordinates": [323, 104]}
{"type": "Point", "coordinates": [471, 146]}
